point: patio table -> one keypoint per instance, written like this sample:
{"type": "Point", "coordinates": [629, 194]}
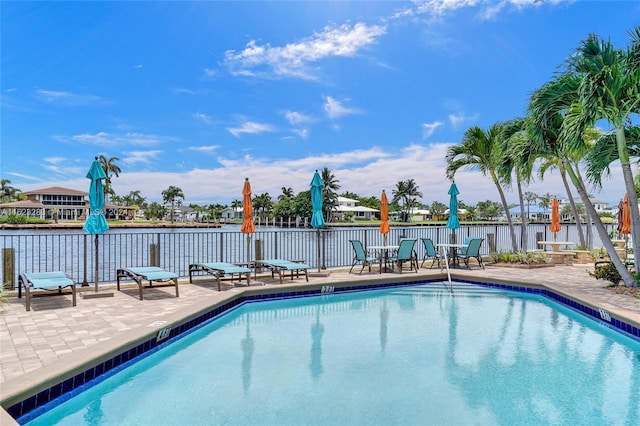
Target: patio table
{"type": "Point", "coordinates": [384, 254]}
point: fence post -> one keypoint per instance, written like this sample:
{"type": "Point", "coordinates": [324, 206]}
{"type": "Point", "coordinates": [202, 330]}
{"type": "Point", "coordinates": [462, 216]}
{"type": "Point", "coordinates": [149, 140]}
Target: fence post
{"type": "Point", "coordinates": [259, 252]}
{"type": "Point", "coordinates": [491, 239]}
{"type": "Point", "coordinates": [154, 253]}
{"type": "Point", "coordinates": [8, 268]}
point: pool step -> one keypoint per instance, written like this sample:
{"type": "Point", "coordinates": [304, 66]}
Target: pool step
{"type": "Point", "coordinates": [459, 289]}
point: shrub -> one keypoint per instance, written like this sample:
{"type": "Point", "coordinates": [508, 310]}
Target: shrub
{"type": "Point", "coordinates": [606, 271]}
{"type": "Point", "coordinates": [522, 257]}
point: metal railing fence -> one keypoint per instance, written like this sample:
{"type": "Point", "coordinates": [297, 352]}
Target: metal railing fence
{"type": "Point", "coordinates": [74, 253]}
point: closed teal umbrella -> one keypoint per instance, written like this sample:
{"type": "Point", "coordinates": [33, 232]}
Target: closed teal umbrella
{"type": "Point", "coordinates": [453, 222]}
{"type": "Point", "coordinates": [317, 219]}
{"type": "Point", "coordinates": [96, 223]}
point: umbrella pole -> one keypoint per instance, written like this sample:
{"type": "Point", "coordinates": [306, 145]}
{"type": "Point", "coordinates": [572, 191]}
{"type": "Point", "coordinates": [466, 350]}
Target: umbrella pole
{"type": "Point", "coordinates": [318, 248]}
{"type": "Point", "coordinates": [96, 264]}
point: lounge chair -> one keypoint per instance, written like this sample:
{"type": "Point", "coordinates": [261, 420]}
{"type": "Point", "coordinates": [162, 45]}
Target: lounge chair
{"type": "Point", "coordinates": [150, 273]}
{"type": "Point", "coordinates": [361, 256]}
{"type": "Point", "coordinates": [220, 269]}
{"type": "Point", "coordinates": [44, 281]}
{"type": "Point", "coordinates": [281, 267]}
{"type": "Point", "coordinates": [406, 253]}
{"type": "Point", "coordinates": [430, 252]}
{"type": "Point", "coordinates": [473, 251]}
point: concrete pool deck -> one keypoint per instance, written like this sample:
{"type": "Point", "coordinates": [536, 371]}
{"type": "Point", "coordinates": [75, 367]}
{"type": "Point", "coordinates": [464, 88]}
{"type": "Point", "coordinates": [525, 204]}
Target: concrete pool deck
{"type": "Point", "coordinates": [37, 347]}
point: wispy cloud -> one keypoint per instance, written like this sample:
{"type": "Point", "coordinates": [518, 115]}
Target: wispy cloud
{"type": "Point", "coordinates": [67, 98]}
{"type": "Point", "coordinates": [294, 59]}
{"type": "Point", "coordinates": [295, 117]}
{"type": "Point", "coordinates": [110, 140]}
{"type": "Point", "coordinates": [209, 74]}
{"type": "Point", "coordinates": [302, 133]}
{"type": "Point", "coordinates": [429, 128]}
{"type": "Point", "coordinates": [206, 148]}
{"type": "Point", "coordinates": [203, 117]}
{"type": "Point", "coordinates": [140, 157]}
{"type": "Point", "coordinates": [335, 109]}
{"type": "Point", "coordinates": [460, 118]}
{"type": "Point", "coordinates": [250, 127]}
{"type": "Point", "coordinates": [183, 91]}
{"type": "Point", "coordinates": [487, 9]}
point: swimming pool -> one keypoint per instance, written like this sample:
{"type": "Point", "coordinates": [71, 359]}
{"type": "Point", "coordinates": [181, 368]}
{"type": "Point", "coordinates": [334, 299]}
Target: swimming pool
{"type": "Point", "coordinates": [404, 355]}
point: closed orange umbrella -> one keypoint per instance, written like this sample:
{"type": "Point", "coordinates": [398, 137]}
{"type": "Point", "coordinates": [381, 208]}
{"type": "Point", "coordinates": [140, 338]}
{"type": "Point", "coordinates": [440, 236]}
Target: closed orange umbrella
{"type": "Point", "coordinates": [248, 227]}
{"type": "Point", "coordinates": [555, 217]}
{"type": "Point", "coordinates": [624, 221]}
{"type": "Point", "coordinates": [384, 216]}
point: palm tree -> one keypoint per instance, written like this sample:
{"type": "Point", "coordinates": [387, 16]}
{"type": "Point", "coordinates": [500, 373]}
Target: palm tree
{"type": "Point", "coordinates": [329, 193]}
{"type": "Point", "coordinates": [7, 192]}
{"type": "Point", "coordinates": [556, 105]}
{"type": "Point", "coordinates": [172, 195]}
{"type": "Point", "coordinates": [110, 167]}
{"type": "Point", "coordinates": [516, 140]}
{"type": "Point", "coordinates": [406, 191]}
{"type": "Point", "coordinates": [286, 193]}
{"type": "Point", "coordinates": [609, 89]}
{"type": "Point", "coordinates": [482, 150]}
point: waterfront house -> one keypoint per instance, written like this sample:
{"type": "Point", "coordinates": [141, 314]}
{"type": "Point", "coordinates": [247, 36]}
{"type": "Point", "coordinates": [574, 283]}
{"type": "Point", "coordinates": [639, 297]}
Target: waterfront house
{"type": "Point", "coordinates": [348, 207]}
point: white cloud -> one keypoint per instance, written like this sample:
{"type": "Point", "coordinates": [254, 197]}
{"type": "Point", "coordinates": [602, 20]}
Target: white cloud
{"type": "Point", "coordinates": [296, 118]}
{"type": "Point", "coordinates": [138, 157]}
{"type": "Point", "coordinates": [460, 118]}
{"type": "Point", "coordinates": [206, 148]}
{"type": "Point", "coordinates": [365, 171]}
{"type": "Point", "coordinates": [488, 9]}
{"type": "Point", "coordinates": [303, 133]}
{"type": "Point", "coordinates": [209, 74]}
{"type": "Point", "coordinates": [112, 140]}
{"type": "Point", "coordinates": [429, 128]}
{"type": "Point", "coordinates": [294, 59]}
{"type": "Point", "coordinates": [66, 98]}
{"type": "Point", "coordinates": [335, 109]}
{"type": "Point", "coordinates": [250, 127]}
{"type": "Point", "coordinates": [203, 117]}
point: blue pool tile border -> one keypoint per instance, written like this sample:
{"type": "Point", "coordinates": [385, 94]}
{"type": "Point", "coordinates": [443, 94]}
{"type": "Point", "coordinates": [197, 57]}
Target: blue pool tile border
{"type": "Point", "coordinates": [60, 389]}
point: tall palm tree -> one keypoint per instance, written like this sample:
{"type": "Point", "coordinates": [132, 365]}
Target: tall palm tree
{"type": "Point", "coordinates": [110, 168]}
{"type": "Point", "coordinates": [329, 193]}
{"type": "Point", "coordinates": [406, 191]}
{"type": "Point", "coordinates": [172, 195]}
{"type": "Point", "coordinates": [555, 106]}
{"type": "Point", "coordinates": [482, 150]}
{"type": "Point", "coordinates": [516, 141]}
{"type": "Point", "coordinates": [609, 89]}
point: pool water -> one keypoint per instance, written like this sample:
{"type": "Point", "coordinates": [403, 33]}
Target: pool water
{"type": "Point", "coordinates": [416, 355]}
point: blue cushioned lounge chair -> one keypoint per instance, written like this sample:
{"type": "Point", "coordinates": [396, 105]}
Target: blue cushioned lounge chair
{"type": "Point", "coordinates": [220, 269]}
{"type": "Point", "coordinates": [56, 280]}
{"type": "Point", "coordinates": [149, 273]}
{"type": "Point", "coordinates": [281, 267]}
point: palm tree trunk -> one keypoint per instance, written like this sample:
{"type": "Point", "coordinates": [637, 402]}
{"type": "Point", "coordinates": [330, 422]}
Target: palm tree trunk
{"type": "Point", "coordinates": [512, 230]}
{"type": "Point", "coordinates": [631, 189]}
{"type": "Point", "coordinates": [524, 240]}
{"type": "Point", "coordinates": [574, 209]}
{"type": "Point", "coordinates": [604, 236]}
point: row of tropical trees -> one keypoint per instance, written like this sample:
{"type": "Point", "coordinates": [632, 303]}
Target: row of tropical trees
{"type": "Point", "coordinates": [598, 85]}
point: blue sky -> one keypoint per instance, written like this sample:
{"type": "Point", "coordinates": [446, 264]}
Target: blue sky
{"type": "Point", "coordinates": [200, 95]}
